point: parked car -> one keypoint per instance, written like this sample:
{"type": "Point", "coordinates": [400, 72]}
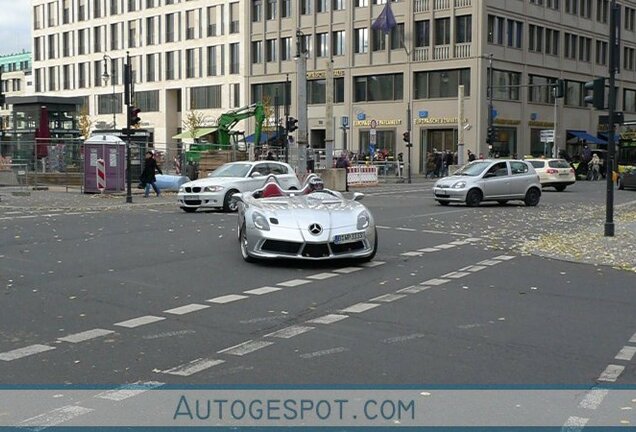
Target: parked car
{"type": "Point", "coordinates": [490, 180]}
{"type": "Point", "coordinates": [311, 224]}
{"type": "Point", "coordinates": [556, 173]}
{"type": "Point", "coordinates": [627, 179]}
{"type": "Point", "coordinates": [216, 190]}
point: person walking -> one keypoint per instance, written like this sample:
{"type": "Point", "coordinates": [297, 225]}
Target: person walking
{"type": "Point", "coordinates": [147, 177]}
{"type": "Point", "coordinates": [343, 162]}
{"type": "Point", "coordinates": [471, 156]}
{"type": "Point", "coordinates": [595, 167]}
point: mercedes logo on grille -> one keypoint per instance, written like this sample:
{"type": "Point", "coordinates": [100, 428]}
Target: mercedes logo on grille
{"type": "Point", "coordinates": [315, 229]}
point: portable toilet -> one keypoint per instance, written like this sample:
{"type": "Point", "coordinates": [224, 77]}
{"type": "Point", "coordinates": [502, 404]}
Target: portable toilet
{"type": "Point", "coordinates": [104, 156]}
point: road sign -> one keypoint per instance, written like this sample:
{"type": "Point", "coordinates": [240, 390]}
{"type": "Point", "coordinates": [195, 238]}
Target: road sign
{"type": "Point", "coordinates": [344, 121]}
{"type": "Point", "coordinates": [100, 171]}
{"type": "Point", "coordinates": [374, 124]}
{"type": "Point", "coordinates": [371, 150]}
{"type": "Point", "coordinates": [547, 135]}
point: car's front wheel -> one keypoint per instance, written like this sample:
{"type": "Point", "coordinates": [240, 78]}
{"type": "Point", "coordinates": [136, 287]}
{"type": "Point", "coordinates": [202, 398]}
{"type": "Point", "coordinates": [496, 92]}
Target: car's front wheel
{"type": "Point", "coordinates": [243, 245]}
{"type": "Point", "coordinates": [230, 205]}
{"type": "Point", "coordinates": [189, 209]}
{"type": "Point", "coordinates": [473, 198]}
{"type": "Point", "coordinates": [532, 197]}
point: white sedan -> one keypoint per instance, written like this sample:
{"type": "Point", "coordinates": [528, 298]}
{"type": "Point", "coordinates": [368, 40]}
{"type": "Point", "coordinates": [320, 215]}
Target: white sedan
{"type": "Point", "coordinates": [216, 190]}
{"type": "Point", "coordinates": [555, 173]}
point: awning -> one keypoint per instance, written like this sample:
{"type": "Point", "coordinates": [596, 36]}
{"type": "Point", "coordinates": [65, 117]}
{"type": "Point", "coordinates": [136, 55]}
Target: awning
{"type": "Point", "coordinates": [584, 136]}
{"type": "Point", "coordinates": [197, 134]}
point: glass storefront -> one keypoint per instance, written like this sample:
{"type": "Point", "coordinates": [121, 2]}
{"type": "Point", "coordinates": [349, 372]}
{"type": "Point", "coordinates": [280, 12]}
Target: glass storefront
{"type": "Point", "coordinates": [385, 142]}
{"type": "Point", "coordinates": [436, 140]}
{"type": "Point", "coordinates": [505, 144]}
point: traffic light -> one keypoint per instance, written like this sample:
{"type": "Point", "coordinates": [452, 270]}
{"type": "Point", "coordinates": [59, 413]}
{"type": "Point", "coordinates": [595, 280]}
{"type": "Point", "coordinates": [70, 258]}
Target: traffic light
{"type": "Point", "coordinates": [559, 88]}
{"type": "Point", "coordinates": [597, 98]}
{"type": "Point", "coordinates": [292, 124]}
{"type": "Point", "coordinates": [406, 137]}
{"type": "Point", "coordinates": [134, 117]}
{"type": "Point", "coordinates": [491, 136]}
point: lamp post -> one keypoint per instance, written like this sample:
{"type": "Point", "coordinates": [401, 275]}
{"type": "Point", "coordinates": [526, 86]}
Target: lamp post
{"type": "Point", "coordinates": [106, 77]}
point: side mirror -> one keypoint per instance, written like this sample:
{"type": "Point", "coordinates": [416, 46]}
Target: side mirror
{"type": "Point", "coordinates": [256, 174]}
{"type": "Point", "coordinates": [357, 196]}
{"type": "Point", "coordinates": [489, 175]}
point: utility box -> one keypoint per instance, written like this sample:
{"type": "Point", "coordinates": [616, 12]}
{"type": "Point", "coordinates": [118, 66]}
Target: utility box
{"type": "Point", "coordinates": [112, 150]}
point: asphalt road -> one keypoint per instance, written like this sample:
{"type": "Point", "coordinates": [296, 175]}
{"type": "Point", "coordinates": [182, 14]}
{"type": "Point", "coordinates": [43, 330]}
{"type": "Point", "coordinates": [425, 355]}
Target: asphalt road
{"type": "Point", "coordinates": [154, 294]}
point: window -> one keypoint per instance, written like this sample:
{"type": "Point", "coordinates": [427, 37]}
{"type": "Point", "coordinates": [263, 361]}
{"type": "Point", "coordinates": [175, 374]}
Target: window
{"type": "Point", "coordinates": [205, 97]}
{"type": "Point", "coordinates": [601, 52]}
{"type": "Point", "coordinates": [397, 37]}
{"type": "Point", "coordinates": [463, 28]}
{"type": "Point", "coordinates": [52, 14]}
{"type": "Point", "coordinates": [114, 7]}
{"type": "Point", "coordinates": [361, 40]}
{"type": "Point", "coordinates": [132, 34]}
{"type": "Point", "coordinates": [66, 11]}
{"type": "Point", "coordinates": [602, 7]}
{"type": "Point", "coordinates": [234, 18]}
{"type": "Point", "coordinates": [541, 89]}
{"type": "Point", "coordinates": [506, 85]}
{"type": "Point", "coordinates": [338, 43]}
{"type": "Point", "coordinates": [82, 76]}
{"type": "Point", "coordinates": [171, 62]}
{"type": "Point", "coordinates": [132, 5]}
{"type": "Point", "coordinates": [97, 39]}
{"type": "Point", "coordinates": [338, 5]}
{"type": "Point", "coordinates": [442, 31]}
{"type": "Point", "coordinates": [518, 167]}
{"type": "Point", "coordinates": [270, 50]}
{"type": "Point", "coordinates": [190, 63]}
{"type": "Point", "coordinates": [114, 37]}
{"type": "Point", "coordinates": [535, 38]}
{"type": "Point", "coordinates": [109, 103]}
{"type": "Point", "coordinates": [190, 25]}
{"type": "Point", "coordinates": [585, 49]}
{"type": "Point", "coordinates": [147, 101]}
{"type": "Point", "coordinates": [52, 79]}
{"type": "Point", "coordinates": [553, 4]}
{"type": "Point", "coordinates": [270, 90]}
{"type": "Point", "coordinates": [307, 45]}
{"type": "Point", "coordinates": [257, 52]}
{"type": "Point", "coordinates": [515, 33]}
{"type": "Point", "coordinates": [422, 33]}
{"type": "Point", "coordinates": [570, 45]}
{"type": "Point", "coordinates": [629, 18]}
{"type": "Point", "coordinates": [211, 15]}
{"type": "Point", "coordinates": [629, 100]}
{"type": "Point", "coordinates": [66, 78]}
{"type": "Point", "coordinates": [378, 40]}
{"type": "Point", "coordinates": [384, 140]}
{"type": "Point", "coordinates": [362, 3]}
{"type": "Point", "coordinates": [286, 48]}
{"type": "Point", "coordinates": [574, 93]}
{"type": "Point", "coordinates": [81, 10]}
{"type": "Point", "coordinates": [234, 59]}
{"type": "Point", "coordinates": [66, 44]}
{"type": "Point", "coordinates": [97, 8]}
{"type": "Point", "coordinates": [257, 10]}
{"type": "Point", "coordinates": [628, 58]}
{"type": "Point", "coordinates": [571, 6]}
{"type": "Point", "coordinates": [305, 7]}
{"type": "Point", "coordinates": [171, 25]}
{"type": "Point", "coordinates": [271, 9]}
{"type": "Point", "coordinates": [81, 41]}
{"type": "Point", "coordinates": [212, 69]}
{"type": "Point", "coordinates": [51, 45]}
{"type": "Point", "coordinates": [321, 6]}
{"type": "Point", "coordinates": [373, 88]}
{"type": "Point", "coordinates": [322, 45]}
{"type": "Point", "coordinates": [441, 83]}
{"type": "Point", "coordinates": [235, 91]}
{"type": "Point", "coordinates": [151, 60]}
{"type": "Point", "coordinates": [97, 75]}
{"type": "Point", "coordinates": [285, 8]}
{"type": "Point", "coordinates": [552, 42]}
{"type": "Point", "coordinates": [496, 27]}
{"type": "Point", "coordinates": [316, 90]}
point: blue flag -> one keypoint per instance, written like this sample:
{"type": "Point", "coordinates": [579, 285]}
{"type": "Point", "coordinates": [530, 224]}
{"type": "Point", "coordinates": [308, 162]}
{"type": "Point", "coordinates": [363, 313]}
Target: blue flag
{"type": "Point", "coordinates": [386, 20]}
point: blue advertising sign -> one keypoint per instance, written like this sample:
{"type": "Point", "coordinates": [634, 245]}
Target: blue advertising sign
{"type": "Point", "coordinates": [423, 114]}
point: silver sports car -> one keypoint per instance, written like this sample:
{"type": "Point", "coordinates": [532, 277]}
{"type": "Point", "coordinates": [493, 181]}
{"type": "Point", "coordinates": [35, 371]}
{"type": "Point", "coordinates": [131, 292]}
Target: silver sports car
{"type": "Point", "coordinates": [313, 223]}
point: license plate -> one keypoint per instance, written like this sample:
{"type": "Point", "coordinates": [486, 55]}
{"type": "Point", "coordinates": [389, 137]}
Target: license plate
{"type": "Point", "coordinates": [441, 195]}
{"type": "Point", "coordinates": [191, 198]}
{"type": "Point", "coordinates": [564, 174]}
{"type": "Point", "coordinates": [348, 238]}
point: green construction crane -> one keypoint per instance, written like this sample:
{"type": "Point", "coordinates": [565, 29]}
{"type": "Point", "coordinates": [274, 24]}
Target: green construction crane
{"type": "Point", "coordinates": [229, 119]}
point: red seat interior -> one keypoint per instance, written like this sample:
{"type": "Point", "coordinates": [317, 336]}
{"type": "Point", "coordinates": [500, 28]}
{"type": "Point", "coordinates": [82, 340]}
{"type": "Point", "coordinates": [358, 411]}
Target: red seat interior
{"type": "Point", "coordinates": [272, 190]}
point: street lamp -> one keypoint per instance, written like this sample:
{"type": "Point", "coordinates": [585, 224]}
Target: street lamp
{"type": "Point", "coordinates": [106, 77]}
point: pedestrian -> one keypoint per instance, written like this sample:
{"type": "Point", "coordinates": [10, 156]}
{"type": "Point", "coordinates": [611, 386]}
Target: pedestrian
{"type": "Point", "coordinates": [438, 165]}
{"type": "Point", "coordinates": [471, 156]}
{"type": "Point", "coordinates": [448, 162]}
{"type": "Point", "coordinates": [343, 162]}
{"type": "Point", "coordinates": [594, 167]}
{"type": "Point", "coordinates": [270, 156]}
{"type": "Point", "coordinates": [148, 178]}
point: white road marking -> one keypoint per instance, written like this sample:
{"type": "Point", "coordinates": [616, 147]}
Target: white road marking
{"type": "Point", "coordinates": [626, 353]}
{"type": "Point", "coordinates": [489, 262]}
{"type": "Point", "coordinates": [328, 319]}
{"type": "Point", "coordinates": [293, 283]}
{"type": "Point", "coordinates": [413, 289]}
{"type": "Point", "coordinates": [575, 423]}
{"type": "Point", "coordinates": [347, 270]}
{"type": "Point", "coordinates": [633, 338]}
{"type": "Point", "coordinates": [84, 336]}
{"type": "Point", "coordinates": [396, 339]}
{"type": "Point", "coordinates": [322, 276]}
{"type": "Point", "coordinates": [290, 332]}
{"type": "Point", "coordinates": [227, 299]}
{"type": "Point", "coordinates": [129, 390]}
{"type": "Point", "coordinates": [54, 417]}
{"type": "Point", "coordinates": [611, 373]}
{"type": "Point", "coordinates": [263, 290]}
{"type": "Point", "coordinates": [245, 348]}
{"type": "Point", "coordinates": [431, 249]}
{"type": "Point", "coordinates": [504, 257]}
{"type": "Point", "coordinates": [475, 268]}
{"type": "Point", "coordinates": [24, 352]}
{"type": "Point", "coordinates": [387, 298]}
{"type": "Point", "coordinates": [323, 352]}
{"type": "Point", "coordinates": [473, 239]}
{"type": "Point", "coordinates": [435, 282]}
{"type": "Point", "coordinates": [446, 246]}
{"type": "Point", "coordinates": [193, 367]}
{"type": "Point", "coordinates": [459, 242]}
{"type": "Point", "coordinates": [455, 275]}
{"type": "Point", "coordinates": [360, 307]}
{"type": "Point", "coordinates": [138, 322]}
{"type": "Point", "coordinates": [182, 310]}
{"type": "Point", "coordinates": [383, 227]}
{"type": "Point", "coordinates": [593, 398]}
{"type": "Point", "coordinates": [405, 229]}
{"type": "Point", "coordinates": [372, 264]}
{"type": "Point", "coordinates": [411, 254]}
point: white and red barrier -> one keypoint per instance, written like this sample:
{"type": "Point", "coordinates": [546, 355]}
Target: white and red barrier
{"type": "Point", "coordinates": [100, 170]}
{"type": "Point", "coordinates": [362, 175]}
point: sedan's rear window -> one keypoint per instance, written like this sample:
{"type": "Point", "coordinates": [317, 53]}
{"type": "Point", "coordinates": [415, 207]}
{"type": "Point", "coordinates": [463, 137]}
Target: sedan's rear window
{"type": "Point", "coordinates": [537, 164]}
{"type": "Point", "coordinates": [558, 164]}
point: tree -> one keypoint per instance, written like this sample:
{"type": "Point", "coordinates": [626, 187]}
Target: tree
{"type": "Point", "coordinates": [194, 120]}
{"type": "Point", "coordinates": [85, 122]}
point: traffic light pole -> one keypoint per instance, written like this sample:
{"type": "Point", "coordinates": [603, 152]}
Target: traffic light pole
{"type": "Point", "coordinates": [614, 43]}
{"type": "Point", "coordinates": [490, 95]}
{"type": "Point", "coordinates": [287, 98]}
{"type": "Point", "coordinates": [127, 97]}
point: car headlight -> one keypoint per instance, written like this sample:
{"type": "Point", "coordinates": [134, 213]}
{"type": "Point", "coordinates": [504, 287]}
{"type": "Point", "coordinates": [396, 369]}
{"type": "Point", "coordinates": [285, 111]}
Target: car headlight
{"type": "Point", "coordinates": [181, 189]}
{"type": "Point", "coordinates": [363, 220]}
{"type": "Point", "coordinates": [260, 221]}
{"type": "Point", "coordinates": [213, 189]}
{"type": "Point", "coordinates": [459, 185]}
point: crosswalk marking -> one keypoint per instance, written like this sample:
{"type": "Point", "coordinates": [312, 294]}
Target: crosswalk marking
{"type": "Point", "coordinates": [626, 353]}
{"type": "Point", "coordinates": [227, 299]}
{"type": "Point", "coordinates": [138, 322]}
{"type": "Point", "coordinates": [84, 336]}
{"type": "Point", "coordinates": [24, 352]}
{"type": "Point", "coordinates": [245, 348]}
{"type": "Point", "coordinates": [328, 319]}
{"type": "Point", "coordinates": [129, 390]}
{"type": "Point", "coordinates": [182, 310]}
{"type": "Point", "coordinates": [290, 332]}
{"type": "Point", "coordinates": [388, 298]}
{"type": "Point", "coordinates": [263, 290]}
{"type": "Point", "coordinates": [411, 254]}
{"type": "Point", "coordinates": [347, 270]}
{"type": "Point", "coordinates": [504, 257]}
{"type": "Point", "coordinates": [413, 289]}
{"type": "Point", "coordinates": [293, 283]}
{"type": "Point", "coordinates": [54, 417]}
{"type": "Point", "coordinates": [322, 276]}
{"type": "Point", "coordinates": [193, 367]}
{"type": "Point", "coordinates": [360, 307]}
{"type": "Point", "coordinates": [611, 373]}
{"type": "Point", "coordinates": [489, 262]}
{"type": "Point", "coordinates": [435, 282]}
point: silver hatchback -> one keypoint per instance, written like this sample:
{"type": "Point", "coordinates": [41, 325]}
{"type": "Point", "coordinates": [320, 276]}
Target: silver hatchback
{"type": "Point", "coordinates": [490, 180]}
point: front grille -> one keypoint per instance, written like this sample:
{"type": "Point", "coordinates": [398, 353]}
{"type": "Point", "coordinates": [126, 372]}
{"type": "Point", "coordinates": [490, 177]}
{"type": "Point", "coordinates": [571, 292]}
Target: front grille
{"type": "Point", "coordinates": [316, 250]}
{"type": "Point", "coordinates": [188, 189]}
{"type": "Point", "coordinates": [196, 189]}
{"type": "Point", "coordinates": [346, 247]}
{"type": "Point", "coordinates": [279, 246]}
{"type": "Point", "coordinates": [192, 202]}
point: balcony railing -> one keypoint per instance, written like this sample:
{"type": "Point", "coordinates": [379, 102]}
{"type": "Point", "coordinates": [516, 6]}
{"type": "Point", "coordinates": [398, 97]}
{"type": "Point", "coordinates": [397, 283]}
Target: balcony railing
{"type": "Point", "coordinates": [421, 54]}
{"type": "Point", "coordinates": [422, 5]}
{"type": "Point", "coordinates": [462, 50]}
{"type": "Point", "coordinates": [442, 4]}
{"type": "Point", "coordinates": [463, 3]}
{"type": "Point", "coordinates": [441, 52]}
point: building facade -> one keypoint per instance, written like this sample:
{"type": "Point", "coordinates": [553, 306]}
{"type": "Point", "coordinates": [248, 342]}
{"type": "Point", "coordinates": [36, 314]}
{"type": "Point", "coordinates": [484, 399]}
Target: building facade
{"type": "Point", "coordinates": [214, 55]}
{"type": "Point", "coordinates": [16, 81]}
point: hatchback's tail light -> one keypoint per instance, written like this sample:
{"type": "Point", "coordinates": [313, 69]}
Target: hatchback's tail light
{"type": "Point", "coordinates": [571, 170]}
{"type": "Point", "coordinates": [552, 171]}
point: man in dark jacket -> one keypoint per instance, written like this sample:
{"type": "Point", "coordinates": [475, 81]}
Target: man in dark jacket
{"type": "Point", "coordinates": [148, 174]}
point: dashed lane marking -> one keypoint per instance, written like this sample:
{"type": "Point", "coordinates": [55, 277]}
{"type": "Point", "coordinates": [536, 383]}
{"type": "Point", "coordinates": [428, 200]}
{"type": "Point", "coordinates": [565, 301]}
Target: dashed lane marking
{"type": "Point", "coordinates": [460, 242]}
{"type": "Point", "coordinates": [227, 299]}
{"type": "Point", "coordinates": [129, 390]}
{"type": "Point", "coordinates": [413, 289]}
{"type": "Point", "coordinates": [430, 249]}
{"type": "Point", "coordinates": [54, 417]}
{"type": "Point", "coordinates": [593, 399]}
{"type": "Point", "coordinates": [347, 270]}
{"type": "Point", "coordinates": [262, 290]}
{"type": "Point", "coordinates": [182, 310]}
{"type": "Point", "coordinates": [138, 322]}
{"type": "Point", "coordinates": [626, 353]}
{"type": "Point", "coordinates": [193, 367]}
{"type": "Point", "coordinates": [446, 246]}
{"type": "Point", "coordinates": [84, 336]}
{"type": "Point", "coordinates": [328, 319]}
{"type": "Point", "coordinates": [322, 353]}
{"type": "Point", "coordinates": [406, 338]}
{"type": "Point", "coordinates": [611, 373]}
{"type": "Point", "coordinates": [504, 257]}
{"type": "Point", "coordinates": [455, 275]}
{"type": "Point", "coordinates": [293, 283]}
{"type": "Point", "coordinates": [474, 268]}
{"type": "Point", "coordinates": [406, 229]}
{"type": "Point", "coordinates": [360, 307]}
{"type": "Point", "coordinates": [388, 298]}
{"type": "Point", "coordinates": [24, 352]}
{"type": "Point", "coordinates": [322, 276]}
{"type": "Point", "coordinates": [372, 264]}
{"type": "Point", "coordinates": [489, 262]}
{"type": "Point", "coordinates": [435, 282]}
{"type": "Point", "coordinates": [411, 254]}
{"type": "Point", "coordinates": [245, 348]}
{"type": "Point", "coordinates": [633, 338]}
{"type": "Point", "coordinates": [290, 332]}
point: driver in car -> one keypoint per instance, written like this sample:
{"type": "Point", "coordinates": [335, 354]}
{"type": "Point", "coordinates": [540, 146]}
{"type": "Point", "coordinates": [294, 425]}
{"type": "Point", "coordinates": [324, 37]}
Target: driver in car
{"type": "Point", "coordinates": [316, 185]}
